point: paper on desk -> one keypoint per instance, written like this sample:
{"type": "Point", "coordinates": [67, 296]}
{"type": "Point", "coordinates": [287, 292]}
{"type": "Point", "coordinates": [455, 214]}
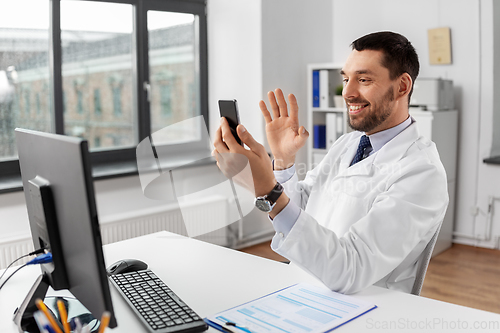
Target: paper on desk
{"type": "Point", "coordinates": [299, 308]}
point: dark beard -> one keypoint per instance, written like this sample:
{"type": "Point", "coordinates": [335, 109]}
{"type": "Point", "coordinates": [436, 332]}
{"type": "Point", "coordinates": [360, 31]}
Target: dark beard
{"type": "Point", "coordinates": [377, 115]}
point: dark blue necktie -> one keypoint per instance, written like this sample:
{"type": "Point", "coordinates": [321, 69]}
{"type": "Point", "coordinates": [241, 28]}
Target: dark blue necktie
{"type": "Point", "coordinates": [363, 144]}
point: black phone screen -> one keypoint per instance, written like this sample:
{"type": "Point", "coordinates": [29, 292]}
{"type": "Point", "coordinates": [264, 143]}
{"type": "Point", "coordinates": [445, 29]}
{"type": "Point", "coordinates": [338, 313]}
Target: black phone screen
{"type": "Point", "coordinates": [229, 110]}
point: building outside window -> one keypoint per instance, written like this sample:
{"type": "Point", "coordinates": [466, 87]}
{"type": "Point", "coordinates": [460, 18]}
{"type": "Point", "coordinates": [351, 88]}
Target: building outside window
{"type": "Point", "coordinates": [98, 94]}
{"type": "Point", "coordinates": [79, 101]}
{"type": "Point", "coordinates": [27, 102]}
{"type": "Point", "coordinates": [97, 102]}
{"type": "Point", "coordinates": [166, 100]}
{"type": "Point", "coordinates": [117, 101]}
{"type": "Point", "coordinates": [37, 104]}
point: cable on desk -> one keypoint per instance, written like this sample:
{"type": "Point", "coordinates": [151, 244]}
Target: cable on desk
{"type": "Point", "coordinates": [43, 259]}
{"type": "Point", "coordinates": [21, 257]}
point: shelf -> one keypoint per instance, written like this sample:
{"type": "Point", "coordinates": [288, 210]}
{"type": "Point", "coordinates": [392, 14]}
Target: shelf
{"type": "Point", "coordinates": [328, 109]}
{"type": "Point", "coordinates": [321, 88]}
{"type": "Point", "coordinates": [329, 66]}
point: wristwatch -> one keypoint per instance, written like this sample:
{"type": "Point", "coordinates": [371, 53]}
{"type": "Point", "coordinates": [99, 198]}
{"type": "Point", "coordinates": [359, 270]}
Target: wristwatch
{"type": "Point", "coordinates": [266, 203]}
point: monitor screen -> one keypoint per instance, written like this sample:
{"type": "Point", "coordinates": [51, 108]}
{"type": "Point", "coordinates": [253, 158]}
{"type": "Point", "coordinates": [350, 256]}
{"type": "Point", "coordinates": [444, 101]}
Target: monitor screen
{"type": "Point", "coordinates": [62, 213]}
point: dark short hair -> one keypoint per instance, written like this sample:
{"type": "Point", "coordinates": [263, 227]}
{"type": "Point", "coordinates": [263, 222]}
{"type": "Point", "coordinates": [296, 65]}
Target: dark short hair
{"type": "Point", "coordinates": [399, 55]}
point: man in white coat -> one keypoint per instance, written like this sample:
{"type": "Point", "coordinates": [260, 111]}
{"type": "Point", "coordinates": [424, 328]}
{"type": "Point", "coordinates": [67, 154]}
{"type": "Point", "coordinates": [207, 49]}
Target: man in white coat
{"type": "Point", "coordinates": [364, 215]}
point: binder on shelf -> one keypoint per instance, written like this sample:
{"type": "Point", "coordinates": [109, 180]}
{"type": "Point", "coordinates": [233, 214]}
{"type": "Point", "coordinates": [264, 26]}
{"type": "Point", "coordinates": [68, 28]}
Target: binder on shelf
{"type": "Point", "coordinates": [331, 128]}
{"type": "Point", "coordinates": [324, 88]}
{"type": "Point", "coordinates": [315, 89]}
{"type": "Point", "coordinates": [319, 136]}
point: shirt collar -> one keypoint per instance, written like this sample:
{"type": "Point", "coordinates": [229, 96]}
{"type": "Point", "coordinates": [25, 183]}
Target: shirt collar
{"type": "Point", "coordinates": [379, 139]}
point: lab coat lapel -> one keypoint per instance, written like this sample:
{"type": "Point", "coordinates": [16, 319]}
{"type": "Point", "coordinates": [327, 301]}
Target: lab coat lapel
{"type": "Point", "coordinates": [390, 152]}
{"type": "Point", "coordinates": [394, 150]}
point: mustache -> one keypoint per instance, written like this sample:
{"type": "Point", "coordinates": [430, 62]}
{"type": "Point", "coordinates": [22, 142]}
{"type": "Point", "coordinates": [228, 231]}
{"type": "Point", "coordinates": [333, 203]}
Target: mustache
{"type": "Point", "coordinates": [357, 101]}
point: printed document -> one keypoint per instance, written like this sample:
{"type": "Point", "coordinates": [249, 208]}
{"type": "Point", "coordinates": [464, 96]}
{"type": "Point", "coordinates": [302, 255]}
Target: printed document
{"type": "Point", "coordinates": [299, 308]}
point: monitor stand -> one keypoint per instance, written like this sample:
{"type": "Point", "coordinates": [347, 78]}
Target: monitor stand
{"type": "Point", "coordinates": [23, 315]}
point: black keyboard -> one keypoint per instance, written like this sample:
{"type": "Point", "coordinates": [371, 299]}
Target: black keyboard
{"type": "Point", "coordinates": [158, 307]}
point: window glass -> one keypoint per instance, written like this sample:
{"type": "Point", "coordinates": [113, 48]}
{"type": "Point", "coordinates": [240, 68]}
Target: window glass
{"type": "Point", "coordinates": [97, 102]}
{"type": "Point", "coordinates": [97, 67]}
{"type": "Point", "coordinates": [166, 100]}
{"type": "Point", "coordinates": [99, 93]}
{"type": "Point", "coordinates": [174, 73]}
{"type": "Point", "coordinates": [24, 71]}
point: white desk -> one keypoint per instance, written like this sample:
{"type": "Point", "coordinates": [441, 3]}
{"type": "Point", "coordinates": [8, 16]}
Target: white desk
{"type": "Point", "coordinates": [211, 278]}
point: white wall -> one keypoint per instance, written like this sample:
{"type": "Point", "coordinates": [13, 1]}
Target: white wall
{"type": "Point", "coordinates": [488, 175]}
{"type": "Point", "coordinates": [257, 46]}
{"type": "Point", "coordinates": [235, 59]}
{"type": "Point", "coordinates": [495, 149]}
{"type": "Point", "coordinates": [235, 71]}
{"type": "Point", "coordinates": [471, 71]}
{"type": "Point", "coordinates": [295, 33]}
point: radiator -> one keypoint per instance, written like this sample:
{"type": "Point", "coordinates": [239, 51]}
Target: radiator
{"type": "Point", "coordinates": [13, 248]}
{"type": "Point", "coordinates": [127, 225]}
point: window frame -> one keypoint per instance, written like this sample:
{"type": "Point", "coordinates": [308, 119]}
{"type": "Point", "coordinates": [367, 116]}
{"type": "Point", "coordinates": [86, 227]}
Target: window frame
{"type": "Point", "coordinates": [118, 162]}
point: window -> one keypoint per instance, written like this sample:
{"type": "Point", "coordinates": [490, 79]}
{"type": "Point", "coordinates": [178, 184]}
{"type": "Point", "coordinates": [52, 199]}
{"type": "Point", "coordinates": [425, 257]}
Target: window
{"type": "Point", "coordinates": [112, 72]}
{"type": "Point", "coordinates": [97, 102]}
{"type": "Point", "coordinates": [79, 101]}
{"type": "Point", "coordinates": [37, 103]}
{"type": "Point", "coordinates": [97, 55]}
{"type": "Point", "coordinates": [24, 71]}
{"type": "Point", "coordinates": [65, 101]}
{"type": "Point", "coordinates": [117, 101]}
{"type": "Point", "coordinates": [27, 102]}
{"type": "Point", "coordinates": [166, 100]}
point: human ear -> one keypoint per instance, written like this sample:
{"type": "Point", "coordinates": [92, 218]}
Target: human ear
{"type": "Point", "coordinates": [405, 85]}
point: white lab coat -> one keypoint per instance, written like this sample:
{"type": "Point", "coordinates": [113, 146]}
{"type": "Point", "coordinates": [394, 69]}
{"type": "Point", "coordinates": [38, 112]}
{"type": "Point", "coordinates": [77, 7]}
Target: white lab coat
{"type": "Point", "coordinates": [369, 223]}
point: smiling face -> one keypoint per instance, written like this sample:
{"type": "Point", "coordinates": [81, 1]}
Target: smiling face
{"type": "Point", "coordinates": [374, 101]}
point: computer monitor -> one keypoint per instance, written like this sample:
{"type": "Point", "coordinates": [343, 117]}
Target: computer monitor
{"type": "Point", "coordinates": [62, 213]}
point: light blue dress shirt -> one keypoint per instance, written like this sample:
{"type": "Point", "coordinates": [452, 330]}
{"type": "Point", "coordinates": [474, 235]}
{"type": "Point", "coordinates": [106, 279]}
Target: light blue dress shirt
{"type": "Point", "coordinates": [285, 220]}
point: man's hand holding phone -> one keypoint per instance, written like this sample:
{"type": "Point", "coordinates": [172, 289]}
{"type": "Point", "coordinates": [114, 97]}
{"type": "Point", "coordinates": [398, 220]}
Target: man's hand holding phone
{"type": "Point", "coordinates": [284, 135]}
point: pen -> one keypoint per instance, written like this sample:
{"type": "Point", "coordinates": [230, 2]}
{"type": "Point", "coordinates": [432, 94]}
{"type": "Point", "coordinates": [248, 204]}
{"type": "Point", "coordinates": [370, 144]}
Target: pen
{"type": "Point", "coordinates": [104, 321]}
{"type": "Point", "coordinates": [64, 316]}
{"type": "Point", "coordinates": [224, 329]}
{"type": "Point", "coordinates": [41, 321]}
{"type": "Point", "coordinates": [42, 307]}
{"type": "Point", "coordinates": [78, 325]}
{"type": "Point", "coordinates": [243, 328]}
{"type": "Point", "coordinates": [49, 329]}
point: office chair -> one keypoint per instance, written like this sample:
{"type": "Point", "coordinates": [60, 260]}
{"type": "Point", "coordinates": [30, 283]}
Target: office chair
{"type": "Point", "coordinates": [424, 262]}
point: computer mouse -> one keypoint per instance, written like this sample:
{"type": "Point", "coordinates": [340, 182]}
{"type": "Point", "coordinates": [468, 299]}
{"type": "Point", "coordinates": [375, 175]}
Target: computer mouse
{"type": "Point", "coordinates": [125, 266]}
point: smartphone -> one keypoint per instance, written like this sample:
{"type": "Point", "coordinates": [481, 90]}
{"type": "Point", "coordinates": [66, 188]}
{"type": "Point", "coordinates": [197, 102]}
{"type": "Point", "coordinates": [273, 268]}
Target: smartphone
{"type": "Point", "coordinates": [229, 110]}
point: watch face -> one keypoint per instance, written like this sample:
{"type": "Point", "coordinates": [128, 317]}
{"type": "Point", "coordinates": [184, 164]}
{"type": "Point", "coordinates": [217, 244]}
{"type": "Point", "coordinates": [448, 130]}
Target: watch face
{"type": "Point", "coordinates": [263, 205]}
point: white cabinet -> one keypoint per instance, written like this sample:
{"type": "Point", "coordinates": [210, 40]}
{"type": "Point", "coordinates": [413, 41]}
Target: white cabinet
{"type": "Point", "coordinates": [442, 128]}
{"type": "Point", "coordinates": [327, 115]}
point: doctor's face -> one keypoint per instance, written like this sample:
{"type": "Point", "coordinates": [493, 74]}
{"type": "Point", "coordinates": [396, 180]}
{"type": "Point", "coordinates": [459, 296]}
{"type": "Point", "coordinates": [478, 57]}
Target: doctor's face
{"type": "Point", "coordinates": [368, 92]}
